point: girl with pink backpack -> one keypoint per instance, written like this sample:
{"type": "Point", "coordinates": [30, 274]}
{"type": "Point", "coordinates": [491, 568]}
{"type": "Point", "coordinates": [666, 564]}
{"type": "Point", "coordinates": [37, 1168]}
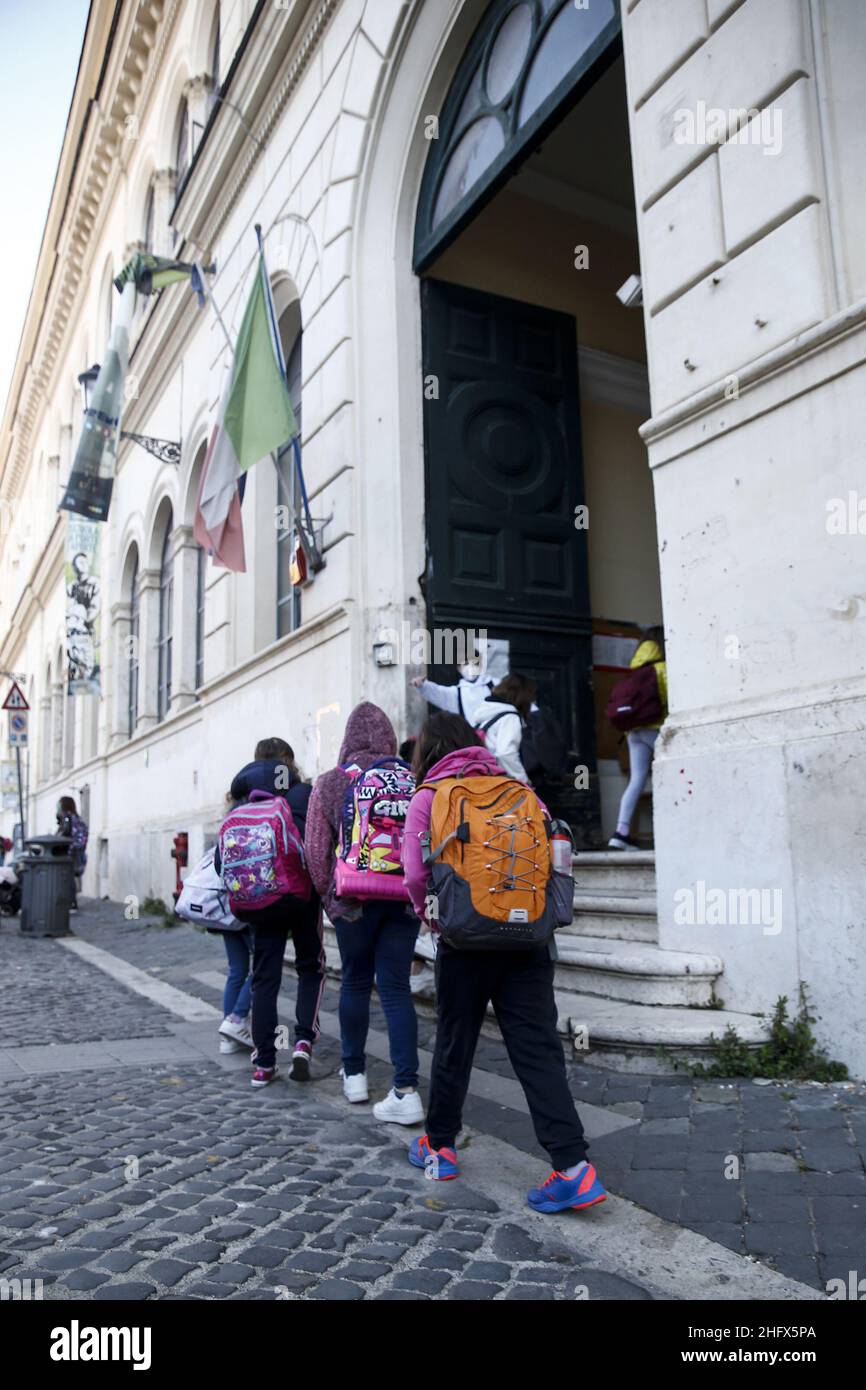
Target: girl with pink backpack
{"type": "Point", "coordinates": [263, 865]}
{"type": "Point", "coordinates": [353, 843]}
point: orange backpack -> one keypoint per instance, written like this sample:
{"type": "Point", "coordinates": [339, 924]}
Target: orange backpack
{"type": "Point", "coordinates": [493, 886]}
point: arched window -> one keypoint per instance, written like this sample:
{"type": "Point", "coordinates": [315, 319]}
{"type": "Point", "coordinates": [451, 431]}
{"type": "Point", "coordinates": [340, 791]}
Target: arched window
{"type": "Point", "coordinates": [524, 62]}
{"type": "Point", "coordinates": [181, 151]}
{"type": "Point", "coordinates": [132, 657]}
{"type": "Point", "coordinates": [201, 565]}
{"type": "Point", "coordinates": [288, 597]}
{"type": "Point", "coordinates": [166, 593]}
{"type": "Point", "coordinates": [148, 221]}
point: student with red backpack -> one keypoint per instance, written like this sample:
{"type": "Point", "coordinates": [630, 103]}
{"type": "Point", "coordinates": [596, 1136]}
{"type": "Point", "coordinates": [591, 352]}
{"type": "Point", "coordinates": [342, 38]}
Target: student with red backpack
{"type": "Point", "coordinates": [261, 858]}
{"type": "Point", "coordinates": [638, 706]}
{"type": "Point", "coordinates": [492, 875]}
{"type": "Point", "coordinates": [353, 842]}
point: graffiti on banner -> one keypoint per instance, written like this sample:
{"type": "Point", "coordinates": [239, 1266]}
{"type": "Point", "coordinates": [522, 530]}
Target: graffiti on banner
{"type": "Point", "coordinates": [83, 603]}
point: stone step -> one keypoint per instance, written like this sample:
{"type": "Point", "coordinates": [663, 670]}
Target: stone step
{"type": "Point", "coordinates": [623, 1036]}
{"type": "Point", "coordinates": [635, 972]}
{"type": "Point", "coordinates": [623, 916]}
{"type": "Point", "coordinates": [648, 1038]}
{"type": "Point", "coordinates": [599, 871]}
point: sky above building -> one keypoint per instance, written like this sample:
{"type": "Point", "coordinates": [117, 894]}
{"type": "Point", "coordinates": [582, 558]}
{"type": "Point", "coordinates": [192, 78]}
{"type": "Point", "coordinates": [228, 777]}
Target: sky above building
{"type": "Point", "coordinates": [40, 44]}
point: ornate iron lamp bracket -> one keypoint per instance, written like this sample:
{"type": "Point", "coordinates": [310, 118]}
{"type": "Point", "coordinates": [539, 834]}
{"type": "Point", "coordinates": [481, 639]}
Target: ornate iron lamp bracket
{"type": "Point", "coordinates": [166, 450]}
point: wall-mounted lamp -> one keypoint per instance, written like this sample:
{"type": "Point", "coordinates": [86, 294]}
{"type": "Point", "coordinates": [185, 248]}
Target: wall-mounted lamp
{"type": "Point", "coordinates": [166, 450]}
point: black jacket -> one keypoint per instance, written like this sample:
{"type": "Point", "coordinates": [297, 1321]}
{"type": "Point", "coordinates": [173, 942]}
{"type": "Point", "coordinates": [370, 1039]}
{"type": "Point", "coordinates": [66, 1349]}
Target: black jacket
{"type": "Point", "coordinates": [264, 775]}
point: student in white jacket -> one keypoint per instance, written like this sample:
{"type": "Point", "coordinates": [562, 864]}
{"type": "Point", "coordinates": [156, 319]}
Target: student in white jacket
{"type": "Point", "coordinates": [501, 716]}
{"type": "Point", "coordinates": [463, 698]}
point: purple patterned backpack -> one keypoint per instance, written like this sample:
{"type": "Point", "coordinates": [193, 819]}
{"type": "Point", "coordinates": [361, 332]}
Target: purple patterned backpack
{"type": "Point", "coordinates": [262, 854]}
{"type": "Point", "coordinates": [374, 817]}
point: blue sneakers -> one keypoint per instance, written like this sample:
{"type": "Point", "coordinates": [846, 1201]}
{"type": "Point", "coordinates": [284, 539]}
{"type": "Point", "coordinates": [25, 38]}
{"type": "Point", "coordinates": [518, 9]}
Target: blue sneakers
{"type": "Point", "coordinates": [438, 1164]}
{"type": "Point", "coordinates": [558, 1192]}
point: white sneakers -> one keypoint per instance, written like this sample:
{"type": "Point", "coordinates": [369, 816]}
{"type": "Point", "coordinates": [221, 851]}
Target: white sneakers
{"type": "Point", "coordinates": [235, 1032]}
{"type": "Point", "coordinates": [405, 1109]}
{"type": "Point", "coordinates": [355, 1087]}
{"type": "Point", "coordinates": [422, 979]}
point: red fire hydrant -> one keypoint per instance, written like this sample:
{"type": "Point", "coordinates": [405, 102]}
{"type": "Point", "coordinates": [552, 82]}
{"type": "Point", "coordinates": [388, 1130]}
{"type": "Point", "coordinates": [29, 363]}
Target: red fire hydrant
{"type": "Point", "coordinates": [180, 855]}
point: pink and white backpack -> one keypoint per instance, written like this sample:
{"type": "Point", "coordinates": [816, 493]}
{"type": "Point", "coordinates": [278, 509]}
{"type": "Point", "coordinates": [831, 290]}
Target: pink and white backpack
{"type": "Point", "coordinates": [372, 824]}
{"type": "Point", "coordinates": [262, 854]}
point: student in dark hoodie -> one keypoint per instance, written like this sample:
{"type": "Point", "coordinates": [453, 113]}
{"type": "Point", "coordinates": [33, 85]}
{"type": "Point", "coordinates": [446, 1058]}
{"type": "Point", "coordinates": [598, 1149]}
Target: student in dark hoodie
{"type": "Point", "coordinates": [376, 939]}
{"type": "Point", "coordinates": [274, 770]}
{"type": "Point", "coordinates": [519, 985]}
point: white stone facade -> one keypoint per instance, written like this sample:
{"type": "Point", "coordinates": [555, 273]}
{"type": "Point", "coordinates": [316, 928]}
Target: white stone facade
{"type": "Point", "coordinates": [754, 274]}
{"type": "Point", "coordinates": [756, 332]}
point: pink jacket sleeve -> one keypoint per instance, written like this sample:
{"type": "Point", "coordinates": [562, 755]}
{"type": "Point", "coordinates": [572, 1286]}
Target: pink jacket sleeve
{"type": "Point", "coordinates": [416, 872]}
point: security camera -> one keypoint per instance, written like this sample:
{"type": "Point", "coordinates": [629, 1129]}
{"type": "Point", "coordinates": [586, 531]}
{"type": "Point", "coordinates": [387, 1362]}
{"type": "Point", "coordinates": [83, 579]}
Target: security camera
{"type": "Point", "coordinates": [631, 293]}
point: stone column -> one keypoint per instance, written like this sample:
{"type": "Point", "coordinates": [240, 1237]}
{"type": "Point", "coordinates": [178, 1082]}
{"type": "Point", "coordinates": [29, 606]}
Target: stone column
{"type": "Point", "coordinates": [185, 553]}
{"type": "Point", "coordinates": [118, 697]}
{"type": "Point", "coordinates": [58, 691]}
{"type": "Point", "coordinates": [164, 181]}
{"type": "Point", "coordinates": [148, 635]}
{"type": "Point", "coordinates": [45, 736]}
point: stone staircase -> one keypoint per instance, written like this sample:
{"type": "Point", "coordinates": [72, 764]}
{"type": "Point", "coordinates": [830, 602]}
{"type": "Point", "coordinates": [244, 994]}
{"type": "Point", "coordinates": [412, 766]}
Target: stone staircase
{"type": "Point", "coordinates": [623, 1002]}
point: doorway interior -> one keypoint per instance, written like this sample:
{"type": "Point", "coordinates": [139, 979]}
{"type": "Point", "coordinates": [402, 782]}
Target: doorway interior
{"type": "Point", "coordinates": [542, 386]}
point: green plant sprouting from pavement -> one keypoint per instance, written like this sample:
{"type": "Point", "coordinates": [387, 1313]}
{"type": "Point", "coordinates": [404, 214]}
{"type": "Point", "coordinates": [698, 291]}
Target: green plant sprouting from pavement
{"type": "Point", "coordinates": [791, 1052]}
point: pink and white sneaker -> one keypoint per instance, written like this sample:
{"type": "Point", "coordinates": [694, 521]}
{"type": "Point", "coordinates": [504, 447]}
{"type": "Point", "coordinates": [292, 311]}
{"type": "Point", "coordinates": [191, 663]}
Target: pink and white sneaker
{"type": "Point", "coordinates": [301, 1059]}
{"type": "Point", "coordinates": [263, 1076]}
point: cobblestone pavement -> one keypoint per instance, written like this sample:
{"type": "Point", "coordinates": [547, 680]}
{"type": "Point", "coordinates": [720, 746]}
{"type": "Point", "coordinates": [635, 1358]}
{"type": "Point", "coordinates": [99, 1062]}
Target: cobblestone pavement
{"type": "Point", "coordinates": [245, 1196]}
{"type": "Point", "coordinates": [175, 1180]}
{"type": "Point", "coordinates": [49, 996]}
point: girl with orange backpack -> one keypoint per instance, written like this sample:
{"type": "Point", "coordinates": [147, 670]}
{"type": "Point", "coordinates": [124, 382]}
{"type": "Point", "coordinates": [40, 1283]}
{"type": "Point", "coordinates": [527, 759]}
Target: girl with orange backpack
{"type": "Point", "coordinates": [488, 872]}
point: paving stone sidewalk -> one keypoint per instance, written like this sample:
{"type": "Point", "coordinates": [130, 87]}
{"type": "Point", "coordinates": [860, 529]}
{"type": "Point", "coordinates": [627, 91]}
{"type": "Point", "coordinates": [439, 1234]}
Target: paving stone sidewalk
{"type": "Point", "coordinates": [182, 1183]}
{"type": "Point", "coordinates": [772, 1172]}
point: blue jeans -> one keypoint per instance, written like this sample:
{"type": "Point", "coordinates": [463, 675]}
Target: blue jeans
{"type": "Point", "coordinates": [379, 948]}
{"type": "Point", "coordinates": [239, 981]}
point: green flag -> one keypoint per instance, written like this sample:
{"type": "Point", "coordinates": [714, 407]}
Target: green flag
{"type": "Point", "coordinates": [258, 414]}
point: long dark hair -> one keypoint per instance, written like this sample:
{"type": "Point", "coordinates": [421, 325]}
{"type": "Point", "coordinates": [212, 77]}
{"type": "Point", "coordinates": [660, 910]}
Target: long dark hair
{"type": "Point", "coordinates": [517, 690]}
{"type": "Point", "coordinates": [441, 735]}
{"type": "Point", "coordinates": [66, 806]}
{"type": "Point", "coordinates": [657, 635]}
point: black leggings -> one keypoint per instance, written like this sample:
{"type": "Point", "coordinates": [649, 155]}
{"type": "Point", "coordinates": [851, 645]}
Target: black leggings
{"type": "Point", "coordinates": [519, 984]}
{"type": "Point", "coordinates": [270, 932]}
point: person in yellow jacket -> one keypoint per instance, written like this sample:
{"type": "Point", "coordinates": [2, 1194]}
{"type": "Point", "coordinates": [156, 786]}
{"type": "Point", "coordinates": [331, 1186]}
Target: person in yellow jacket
{"type": "Point", "coordinates": [641, 742]}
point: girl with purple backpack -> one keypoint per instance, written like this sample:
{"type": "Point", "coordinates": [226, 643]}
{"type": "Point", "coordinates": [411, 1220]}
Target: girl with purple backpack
{"type": "Point", "coordinates": [376, 935]}
{"type": "Point", "coordinates": [69, 823]}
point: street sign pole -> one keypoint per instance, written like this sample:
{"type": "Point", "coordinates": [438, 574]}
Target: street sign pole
{"type": "Point", "coordinates": [20, 795]}
{"type": "Point", "coordinates": [16, 704]}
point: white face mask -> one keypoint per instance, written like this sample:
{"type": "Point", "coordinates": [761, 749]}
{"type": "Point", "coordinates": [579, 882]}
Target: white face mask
{"type": "Point", "coordinates": [471, 671]}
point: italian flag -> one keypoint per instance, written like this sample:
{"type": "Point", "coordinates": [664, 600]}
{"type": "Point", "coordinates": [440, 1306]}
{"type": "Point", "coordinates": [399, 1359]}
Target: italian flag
{"type": "Point", "coordinates": [255, 417]}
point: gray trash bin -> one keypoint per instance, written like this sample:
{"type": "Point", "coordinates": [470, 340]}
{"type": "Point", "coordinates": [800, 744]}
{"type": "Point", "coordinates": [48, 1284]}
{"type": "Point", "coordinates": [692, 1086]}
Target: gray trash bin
{"type": "Point", "coordinates": [47, 885]}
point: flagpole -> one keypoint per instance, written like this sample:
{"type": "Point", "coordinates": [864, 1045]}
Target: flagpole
{"type": "Point", "coordinates": [296, 446]}
{"type": "Point", "coordinates": [209, 295]}
{"type": "Point", "coordinates": [281, 483]}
